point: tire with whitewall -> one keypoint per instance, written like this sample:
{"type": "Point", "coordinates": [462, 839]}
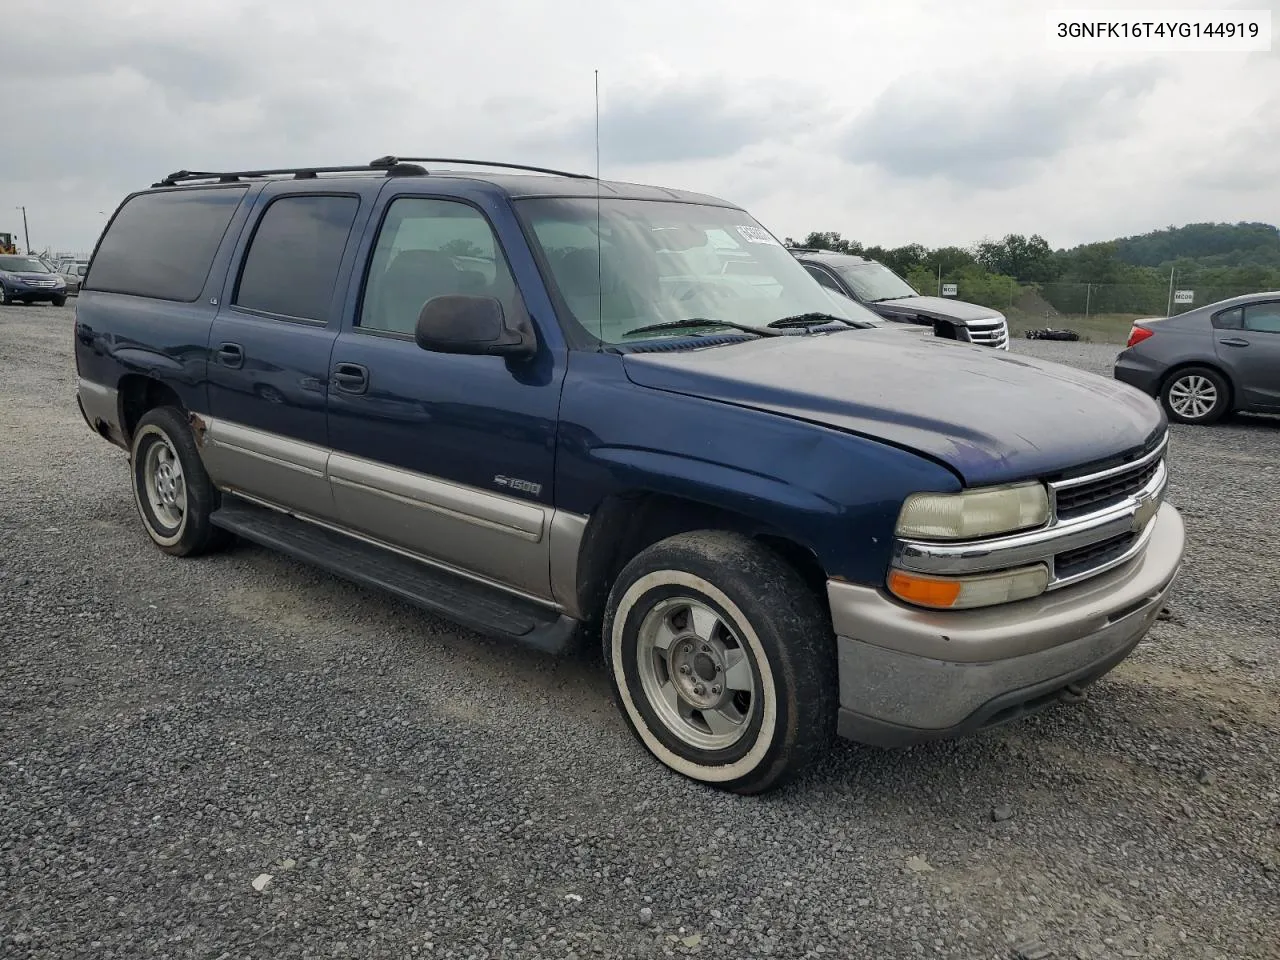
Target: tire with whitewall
{"type": "Point", "coordinates": [723, 661]}
{"type": "Point", "coordinates": [171, 488]}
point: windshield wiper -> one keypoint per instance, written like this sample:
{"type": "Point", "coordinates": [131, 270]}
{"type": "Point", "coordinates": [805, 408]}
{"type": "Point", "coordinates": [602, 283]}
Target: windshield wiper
{"type": "Point", "coordinates": [701, 322]}
{"type": "Point", "coordinates": [815, 320]}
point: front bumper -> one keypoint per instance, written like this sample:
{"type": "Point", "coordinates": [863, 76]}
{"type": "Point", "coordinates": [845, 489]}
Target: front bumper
{"type": "Point", "coordinates": [36, 294]}
{"type": "Point", "coordinates": [908, 674]}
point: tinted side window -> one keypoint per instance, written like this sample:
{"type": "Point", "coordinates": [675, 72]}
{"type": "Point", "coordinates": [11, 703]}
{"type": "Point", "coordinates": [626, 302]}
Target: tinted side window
{"type": "Point", "coordinates": [161, 245]}
{"type": "Point", "coordinates": [293, 258]}
{"type": "Point", "coordinates": [1263, 317]}
{"type": "Point", "coordinates": [431, 248]}
{"type": "Point", "coordinates": [1228, 319]}
{"type": "Point", "coordinates": [823, 278]}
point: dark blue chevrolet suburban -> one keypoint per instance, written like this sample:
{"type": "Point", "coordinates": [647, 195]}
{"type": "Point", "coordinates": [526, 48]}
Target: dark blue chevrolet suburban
{"type": "Point", "coordinates": [545, 407]}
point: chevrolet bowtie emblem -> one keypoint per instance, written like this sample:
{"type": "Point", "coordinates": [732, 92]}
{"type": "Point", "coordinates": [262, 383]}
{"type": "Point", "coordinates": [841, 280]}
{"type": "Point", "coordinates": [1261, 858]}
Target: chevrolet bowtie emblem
{"type": "Point", "coordinates": [1142, 516]}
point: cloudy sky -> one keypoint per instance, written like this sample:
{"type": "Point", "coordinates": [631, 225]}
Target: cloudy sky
{"type": "Point", "coordinates": [937, 122]}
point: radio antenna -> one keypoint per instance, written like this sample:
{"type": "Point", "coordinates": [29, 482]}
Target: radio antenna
{"type": "Point", "coordinates": [599, 241]}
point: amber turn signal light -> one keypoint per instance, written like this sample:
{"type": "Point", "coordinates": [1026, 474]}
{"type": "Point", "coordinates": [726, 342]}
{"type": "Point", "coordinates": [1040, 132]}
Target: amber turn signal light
{"type": "Point", "coordinates": [925, 591]}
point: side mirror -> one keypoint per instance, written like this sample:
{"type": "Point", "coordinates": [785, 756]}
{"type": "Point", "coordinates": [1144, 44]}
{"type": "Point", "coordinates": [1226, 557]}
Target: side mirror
{"type": "Point", "coordinates": [473, 325]}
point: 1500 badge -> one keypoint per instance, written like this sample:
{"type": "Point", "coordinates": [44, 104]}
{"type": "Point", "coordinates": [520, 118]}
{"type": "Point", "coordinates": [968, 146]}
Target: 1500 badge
{"type": "Point", "coordinates": [524, 486]}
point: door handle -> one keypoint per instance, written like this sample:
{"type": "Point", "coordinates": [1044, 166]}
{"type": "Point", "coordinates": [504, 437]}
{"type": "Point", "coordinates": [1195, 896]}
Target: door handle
{"type": "Point", "coordinates": [1233, 341]}
{"type": "Point", "coordinates": [230, 355]}
{"type": "Point", "coordinates": [351, 378]}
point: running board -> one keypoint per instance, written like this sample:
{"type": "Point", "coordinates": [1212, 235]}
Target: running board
{"type": "Point", "coordinates": [478, 606]}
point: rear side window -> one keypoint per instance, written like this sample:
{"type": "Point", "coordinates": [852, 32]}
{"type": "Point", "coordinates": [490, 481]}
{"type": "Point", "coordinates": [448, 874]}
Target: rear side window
{"type": "Point", "coordinates": [293, 259]}
{"type": "Point", "coordinates": [1262, 317]}
{"type": "Point", "coordinates": [161, 245]}
{"type": "Point", "coordinates": [1228, 319]}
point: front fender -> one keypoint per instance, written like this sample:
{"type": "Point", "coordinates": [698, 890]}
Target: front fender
{"type": "Point", "coordinates": [836, 494]}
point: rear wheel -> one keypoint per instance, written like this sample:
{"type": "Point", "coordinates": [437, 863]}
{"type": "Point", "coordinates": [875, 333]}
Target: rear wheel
{"type": "Point", "coordinates": [1195, 395]}
{"type": "Point", "coordinates": [722, 661]}
{"type": "Point", "coordinates": [6, 297]}
{"type": "Point", "coordinates": [173, 492]}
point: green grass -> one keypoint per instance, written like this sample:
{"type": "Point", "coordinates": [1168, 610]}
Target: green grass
{"type": "Point", "coordinates": [1099, 328]}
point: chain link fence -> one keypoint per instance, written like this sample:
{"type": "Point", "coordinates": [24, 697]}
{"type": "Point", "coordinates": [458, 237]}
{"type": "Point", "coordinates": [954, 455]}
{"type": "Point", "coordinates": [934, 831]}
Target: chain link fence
{"type": "Point", "coordinates": [1086, 300]}
{"type": "Point", "coordinates": [1097, 311]}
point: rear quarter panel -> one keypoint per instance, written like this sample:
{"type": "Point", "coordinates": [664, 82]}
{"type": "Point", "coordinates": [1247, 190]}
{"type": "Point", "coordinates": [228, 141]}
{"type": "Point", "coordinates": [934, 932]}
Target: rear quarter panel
{"type": "Point", "coordinates": [1176, 342]}
{"type": "Point", "coordinates": [118, 334]}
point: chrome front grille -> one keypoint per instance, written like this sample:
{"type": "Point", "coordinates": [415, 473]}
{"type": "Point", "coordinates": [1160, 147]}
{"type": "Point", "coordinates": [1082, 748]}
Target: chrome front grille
{"type": "Point", "coordinates": [1097, 522]}
{"type": "Point", "coordinates": [1071, 563]}
{"type": "Point", "coordinates": [1077, 498]}
{"type": "Point", "coordinates": [989, 333]}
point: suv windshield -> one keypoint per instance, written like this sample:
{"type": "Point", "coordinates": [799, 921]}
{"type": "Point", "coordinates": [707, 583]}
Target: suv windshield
{"type": "Point", "coordinates": [23, 265]}
{"type": "Point", "coordinates": [874, 281]}
{"type": "Point", "coordinates": [661, 262]}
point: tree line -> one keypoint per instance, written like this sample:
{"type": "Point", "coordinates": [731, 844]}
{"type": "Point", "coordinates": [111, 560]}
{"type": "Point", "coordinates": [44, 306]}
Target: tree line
{"type": "Point", "coordinates": [1125, 275]}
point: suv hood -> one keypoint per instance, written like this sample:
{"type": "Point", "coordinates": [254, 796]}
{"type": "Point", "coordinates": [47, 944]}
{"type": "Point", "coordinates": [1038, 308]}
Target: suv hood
{"type": "Point", "coordinates": [934, 308]}
{"type": "Point", "coordinates": [990, 416]}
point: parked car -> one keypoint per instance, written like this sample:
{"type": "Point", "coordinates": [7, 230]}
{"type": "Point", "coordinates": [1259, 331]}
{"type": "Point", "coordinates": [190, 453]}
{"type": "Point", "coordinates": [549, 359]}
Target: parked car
{"type": "Point", "coordinates": [1208, 362]}
{"type": "Point", "coordinates": [783, 524]}
{"type": "Point", "coordinates": [27, 280]}
{"type": "Point", "coordinates": [879, 288]}
{"type": "Point", "coordinates": [72, 272]}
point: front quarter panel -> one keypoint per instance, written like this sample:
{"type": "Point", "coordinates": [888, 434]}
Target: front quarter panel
{"type": "Point", "coordinates": [836, 494]}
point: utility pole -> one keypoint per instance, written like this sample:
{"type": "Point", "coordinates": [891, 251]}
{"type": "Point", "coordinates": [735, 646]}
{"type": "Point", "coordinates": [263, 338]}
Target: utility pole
{"type": "Point", "coordinates": [26, 234]}
{"type": "Point", "coordinates": [1088, 290]}
{"type": "Point", "coordinates": [939, 278]}
{"type": "Point", "coordinates": [1168, 311]}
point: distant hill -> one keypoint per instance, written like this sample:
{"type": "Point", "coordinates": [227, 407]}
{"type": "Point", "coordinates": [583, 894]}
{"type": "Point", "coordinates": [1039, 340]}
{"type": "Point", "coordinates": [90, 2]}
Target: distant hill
{"type": "Point", "coordinates": [1205, 244]}
{"type": "Point", "coordinates": [1128, 275]}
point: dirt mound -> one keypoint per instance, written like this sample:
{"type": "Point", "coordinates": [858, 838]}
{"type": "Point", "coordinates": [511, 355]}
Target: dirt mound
{"type": "Point", "coordinates": [1030, 303]}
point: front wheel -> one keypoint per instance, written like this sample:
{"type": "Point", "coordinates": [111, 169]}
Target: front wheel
{"type": "Point", "coordinates": [1195, 395]}
{"type": "Point", "coordinates": [723, 661]}
{"type": "Point", "coordinates": [173, 492]}
{"type": "Point", "coordinates": [59, 301]}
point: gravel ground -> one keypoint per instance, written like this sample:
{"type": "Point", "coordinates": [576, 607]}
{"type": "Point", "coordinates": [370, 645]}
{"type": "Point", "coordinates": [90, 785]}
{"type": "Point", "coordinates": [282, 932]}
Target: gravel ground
{"type": "Point", "coordinates": [241, 757]}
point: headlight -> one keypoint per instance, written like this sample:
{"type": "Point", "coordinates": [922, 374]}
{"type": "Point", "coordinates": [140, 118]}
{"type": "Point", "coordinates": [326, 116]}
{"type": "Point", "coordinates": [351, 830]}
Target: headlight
{"type": "Point", "coordinates": [974, 513]}
{"type": "Point", "coordinates": [960, 593]}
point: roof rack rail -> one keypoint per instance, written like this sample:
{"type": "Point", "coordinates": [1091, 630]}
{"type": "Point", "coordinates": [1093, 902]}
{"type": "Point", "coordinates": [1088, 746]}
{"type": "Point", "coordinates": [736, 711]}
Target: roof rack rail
{"type": "Point", "coordinates": [393, 166]}
{"type": "Point", "coordinates": [391, 160]}
{"type": "Point", "coordinates": [394, 169]}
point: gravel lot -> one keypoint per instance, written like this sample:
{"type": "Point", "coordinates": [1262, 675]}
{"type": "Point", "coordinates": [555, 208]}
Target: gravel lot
{"type": "Point", "coordinates": [172, 731]}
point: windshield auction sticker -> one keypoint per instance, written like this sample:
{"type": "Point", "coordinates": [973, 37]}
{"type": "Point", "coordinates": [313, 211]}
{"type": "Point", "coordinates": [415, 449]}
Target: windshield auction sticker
{"type": "Point", "coordinates": [755, 235]}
